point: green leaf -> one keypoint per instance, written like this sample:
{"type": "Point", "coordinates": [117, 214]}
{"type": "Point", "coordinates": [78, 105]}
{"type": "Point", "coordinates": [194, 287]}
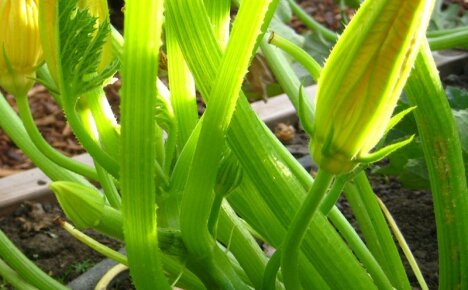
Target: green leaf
{"type": "Point", "coordinates": [458, 98]}
{"type": "Point", "coordinates": [408, 163]}
{"type": "Point", "coordinates": [81, 45]}
{"type": "Point", "coordinates": [461, 118]}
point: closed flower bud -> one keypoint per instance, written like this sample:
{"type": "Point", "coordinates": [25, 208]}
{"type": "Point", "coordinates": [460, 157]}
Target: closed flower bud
{"type": "Point", "coordinates": [363, 79]}
{"type": "Point", "coordinates": [87, 208]}
{"type": "Point", "coordinates": [20, 48]}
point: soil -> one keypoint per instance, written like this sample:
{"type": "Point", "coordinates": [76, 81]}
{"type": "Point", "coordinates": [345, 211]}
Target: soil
{"type": "Point", "coordinates": [57, 253]}
{"type": "Point", "coordinates": [32, 228]}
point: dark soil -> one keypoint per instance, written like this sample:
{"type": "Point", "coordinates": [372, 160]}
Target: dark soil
{"type": "Point", "coordinates": [31, 228]}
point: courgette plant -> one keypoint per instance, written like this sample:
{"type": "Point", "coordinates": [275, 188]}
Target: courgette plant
{"type": "Point", "coordinates": [191, 196]}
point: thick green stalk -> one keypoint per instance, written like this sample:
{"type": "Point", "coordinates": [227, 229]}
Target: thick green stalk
{"type": "Point", "coordinates": [198, 195]}
{"type": "Point", "coordinates": [290, 248]}
{"type": "Point", "coordinates": [25, 267]}
{"type": "Point", "coordinates": [46, 148]}
{"type": "Point", "coordinates": [443, 155]}
{"type": "Point", "coordinates": [233, 233]}
{"type": "Point", "coordinates": [360, 249]}
{"type": "Point", "coordinates": [375, 229]}
{"type": "Point", "coordinates": [182, 85]}
{"type": "Point", "coordinates": [255, 211]}
{"type": "Point", "coordinates": [16, 131]}
{"type": "Point", "coordinates": [13, 278]}
{"type": "Point", "coordinates": [251, 141]}
{"type": "Point", "coordinates": [219, 13]}
{"type": "Point", "coordinates": [143, 22]}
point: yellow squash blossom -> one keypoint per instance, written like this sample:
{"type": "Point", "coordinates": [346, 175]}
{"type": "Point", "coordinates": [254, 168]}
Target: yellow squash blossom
{"type": "Point", "coordinates": [20, 47]}
{"type": "Point", "coordinates": [362, 80]}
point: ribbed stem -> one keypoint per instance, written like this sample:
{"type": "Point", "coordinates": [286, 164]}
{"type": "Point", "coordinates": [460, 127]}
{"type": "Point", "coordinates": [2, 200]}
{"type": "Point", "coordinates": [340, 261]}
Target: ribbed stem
{"type": "Point", "coordinates": [143, 25]}
{"type": "Point", "coordinates": [263, 157]}
{"type": "Point", "coordinates": [375, 229]}
{"type": "Point", "coordinates": [198, 195]}
{"type": "Point", "coordinates": [443, 155]}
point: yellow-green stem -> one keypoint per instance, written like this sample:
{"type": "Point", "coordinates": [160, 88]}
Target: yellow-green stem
{"type": "Point", "coordinates": [290, 248]}
{"type": "Point", "coordinates": [46, 148]}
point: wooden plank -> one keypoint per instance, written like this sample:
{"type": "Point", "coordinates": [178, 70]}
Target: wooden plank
{"type": "Point", "coordinates": [28, 185]}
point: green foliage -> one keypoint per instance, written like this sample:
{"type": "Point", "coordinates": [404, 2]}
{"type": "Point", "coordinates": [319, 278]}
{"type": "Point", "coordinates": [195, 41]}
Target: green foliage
{"type": "Point", "coordinates": [408, 163]}
{"type": "Point", "coordinates": [448, 18]}
{"type": "Point", "coordinates": [81, 45]}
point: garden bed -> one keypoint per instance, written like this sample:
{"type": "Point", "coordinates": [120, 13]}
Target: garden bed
{"type": "Point", "coordinates": [30, 225]}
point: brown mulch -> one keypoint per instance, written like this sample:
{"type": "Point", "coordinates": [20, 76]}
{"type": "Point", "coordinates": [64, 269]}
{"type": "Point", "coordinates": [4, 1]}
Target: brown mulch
{"type": "Point", "coordinates": [51, 122]}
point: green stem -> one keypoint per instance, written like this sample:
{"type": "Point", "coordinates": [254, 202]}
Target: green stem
{"type": "Point", "coordinates": [108, 185]}
{"type": "Point", "coordinates": [198, 195]}
{"type": "Point", "coordinates": [105, 179]}
{"type": "Point", "coordinates": [334, 194]}
{"type": "Point", "coordinates": [183, 97]}
{"type": "Point", "coordinates": [375, 229]}
{"type": "Point", "coordinates": [232, 232]}
{"type": "Point", "coordinates": [143, 27]}
{"type": "Point", "coordinates": [16, 131]}
{"type": "Point", "coordinates": [271, 270]}
{"type": "Point", "coordinates": [13, 278]}
{"type": "Point", "coordinates": [403, 245]}
{"type": "Point", "coordinates": [311, 23]}
{"type": "Point", "coordinates": [99, 155]}
{"type": "Point", "coordinates": [298, 228]}
{"type": "Point", "coordinates": [25, 267]}
{"type": "Point", "coordinates": [105, 121]}
{"type": "Point", "coordinates": [360, 249]}
{"type": "Point", "coordinates": [93, 244]}
{"type": "Point", "coordinates": [263, 157]}
{"type": "Point", "coordinates": [286, 76]}
{"type": "Point", "coordinates": [449, 41]}
{"type": "Point", "coordinates": [46, 149]}
{"type": "Point", "coordinates": [312, 66]}
{"type": "Point", "coordinates": [442, 32]}
{"type": "Point", "coordinates": [444, 159]}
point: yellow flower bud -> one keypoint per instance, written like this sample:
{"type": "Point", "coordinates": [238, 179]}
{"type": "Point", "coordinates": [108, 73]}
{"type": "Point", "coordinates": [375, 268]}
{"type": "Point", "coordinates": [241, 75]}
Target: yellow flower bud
{"type": "Point", "coordinates": [20, 47]}
{"type": "Point", "coordinates": [363, 79]}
